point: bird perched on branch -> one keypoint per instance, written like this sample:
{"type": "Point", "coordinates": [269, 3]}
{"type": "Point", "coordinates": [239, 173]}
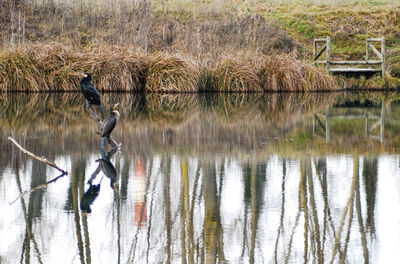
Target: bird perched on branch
{"type": "Point", "coordinates": [89, 91]}
{"type": "Point", "coordinates": [109, 123]}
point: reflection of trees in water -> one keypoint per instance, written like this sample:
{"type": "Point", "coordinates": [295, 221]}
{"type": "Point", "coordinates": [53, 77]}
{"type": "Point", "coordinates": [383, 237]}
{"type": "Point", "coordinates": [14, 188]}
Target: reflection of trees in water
{"type": "Point", "coordinates": [29, 213]}
{"type": "Point", "coordinates": [318, 232]}
{"type": "Point", "coordinates": [370, 173]}
{"type": "Point", "coordinates": [203, 243]}
{"type": "Point", "coordinates": [197, 186]}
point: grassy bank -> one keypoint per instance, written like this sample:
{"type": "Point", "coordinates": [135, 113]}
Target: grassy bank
{"type": "Point", "coordinates": [171, 46]}
{"type": "Point", "coordinates": [54, 67]}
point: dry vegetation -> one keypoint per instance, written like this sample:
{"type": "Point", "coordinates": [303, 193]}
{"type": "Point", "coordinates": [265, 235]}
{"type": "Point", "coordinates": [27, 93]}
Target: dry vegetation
{"type": "Point", "coordinates": [54, 67]}
{"type": "Point", "coordinates": [158, 46]}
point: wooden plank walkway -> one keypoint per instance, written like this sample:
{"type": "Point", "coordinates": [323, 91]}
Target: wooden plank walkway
{"type": "Point", "coordinates": [344, 70]}
{"type": "Point", "coordinates": [379, 62]}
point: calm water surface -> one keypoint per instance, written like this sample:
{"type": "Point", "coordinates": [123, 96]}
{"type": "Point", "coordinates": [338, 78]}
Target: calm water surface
{"type": "Point", "coordinates": [275, 178]}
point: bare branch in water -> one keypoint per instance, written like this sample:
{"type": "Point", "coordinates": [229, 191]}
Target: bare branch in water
{"type": "Point", "coordinates": [95, 117]}
{"type": "Point", "coordinates": [41, 186]}
{"type": "Point", "coordinates": [113, 143]}
{"type": "Point", "coordinates": [41, 159]}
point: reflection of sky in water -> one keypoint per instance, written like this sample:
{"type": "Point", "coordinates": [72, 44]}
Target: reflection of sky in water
{"type": "Point", "coordinates": [56, 237]}
{"type": "Point", "coordinates": [245, 204]}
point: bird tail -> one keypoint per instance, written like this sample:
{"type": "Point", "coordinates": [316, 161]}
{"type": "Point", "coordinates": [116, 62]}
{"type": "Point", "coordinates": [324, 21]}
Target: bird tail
{"type": "Point", "coordinates": [101, 109]}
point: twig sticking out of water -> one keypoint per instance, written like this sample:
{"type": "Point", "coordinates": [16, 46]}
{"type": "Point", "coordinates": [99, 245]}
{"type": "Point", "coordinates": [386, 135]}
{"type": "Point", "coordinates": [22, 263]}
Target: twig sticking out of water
{"type": "Point", "coordinates": [41, 159]}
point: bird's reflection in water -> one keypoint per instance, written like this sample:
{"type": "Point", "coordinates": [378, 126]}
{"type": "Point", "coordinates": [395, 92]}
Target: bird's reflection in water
{"type": "Point", "coordinates": [88, 197]}
{"type": "Point", "coordinates": [108, 170]}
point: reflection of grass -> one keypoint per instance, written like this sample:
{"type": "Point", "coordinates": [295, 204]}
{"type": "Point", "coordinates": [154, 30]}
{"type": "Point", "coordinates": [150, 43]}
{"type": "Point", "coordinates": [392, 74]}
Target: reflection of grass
{"type": "Point", "coordinates": [170, 109]}
{"type": "Point", "coordinates": [231, 108]}
{"type": "Point", "coordinates": [236, 122]}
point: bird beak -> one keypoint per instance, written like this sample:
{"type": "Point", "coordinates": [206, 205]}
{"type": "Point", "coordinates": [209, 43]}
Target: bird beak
{"type": "Point", "coordinates": [83, 74]}
{"type": "Point", "coordinates": [115, 106]}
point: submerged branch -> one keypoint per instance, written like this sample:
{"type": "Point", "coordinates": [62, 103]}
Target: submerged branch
{"type": "Point", "coordinates": [41, 159]}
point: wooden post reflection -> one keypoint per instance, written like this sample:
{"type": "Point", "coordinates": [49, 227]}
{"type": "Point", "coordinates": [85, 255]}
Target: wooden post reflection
{"type": "Point", "coordinates": [327, 126]}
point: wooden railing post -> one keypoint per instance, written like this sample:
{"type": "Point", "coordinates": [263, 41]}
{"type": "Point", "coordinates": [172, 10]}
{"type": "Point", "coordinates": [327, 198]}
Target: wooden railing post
{"type": "Point", "coordinates": [383, 52]}
{"type": "Point", "coordinates": [315, 49]}
{"type": "Point", "coordinates": [367, 55]}
{"type": "Point", "coordinates": [382, 132]}
{"type": "Point", "coordinates": [328, 53]}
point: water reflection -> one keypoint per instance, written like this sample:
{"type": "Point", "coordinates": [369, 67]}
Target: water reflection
{"type": "Point", "coordinates": [108, 170]}
{"type": "Point", "coordinates": [203, 179]}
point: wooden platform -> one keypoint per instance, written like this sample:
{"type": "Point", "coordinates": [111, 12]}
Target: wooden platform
{"type": "Point", "coordinates": [354, 70]}
{"type": "Point", "coordinates": [350, 70]}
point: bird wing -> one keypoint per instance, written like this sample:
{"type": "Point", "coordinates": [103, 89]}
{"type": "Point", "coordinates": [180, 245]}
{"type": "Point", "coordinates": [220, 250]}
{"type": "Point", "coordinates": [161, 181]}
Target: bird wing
{"type": "Point", "coordinates": [108, 126]}
{"type": "Point", "coordinates": [91, 93]}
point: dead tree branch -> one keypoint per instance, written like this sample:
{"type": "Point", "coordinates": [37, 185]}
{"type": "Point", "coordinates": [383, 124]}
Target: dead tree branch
{"type": "Point", "coordinates": [41, 159]}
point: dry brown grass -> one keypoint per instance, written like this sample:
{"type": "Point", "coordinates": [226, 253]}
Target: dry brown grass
{"type": "Point", "coordinates": [54, 67]}
{"type": "Point", "coordinates": [280, 73]}
{"type": "Point", "coordinates": [235, 75]}
{"type": "Point", "coordinates": [166, 74]}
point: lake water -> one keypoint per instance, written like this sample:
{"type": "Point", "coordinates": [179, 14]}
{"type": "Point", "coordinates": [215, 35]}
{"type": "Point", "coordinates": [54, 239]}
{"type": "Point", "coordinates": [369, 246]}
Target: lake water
{"type": "Point", "coordinates": [256, 178]}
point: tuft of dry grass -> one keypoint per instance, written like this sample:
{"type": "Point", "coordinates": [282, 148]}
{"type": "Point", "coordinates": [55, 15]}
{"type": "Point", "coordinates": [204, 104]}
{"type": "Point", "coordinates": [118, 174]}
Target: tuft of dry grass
{"type": "Point", "coordinates": [166, 74]}
{"type": "Point", "coordinates": [235, 75]}
{"type": "Point", "coordinates": [54, 67]}
{"type": "Point", "coordinates": [280, 73]}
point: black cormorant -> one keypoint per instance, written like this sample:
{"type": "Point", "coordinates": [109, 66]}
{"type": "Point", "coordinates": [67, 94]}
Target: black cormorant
{"type": "Point", "coordinates": [109, 123]}
{"type": "Point", "coordinates": [89, 91]}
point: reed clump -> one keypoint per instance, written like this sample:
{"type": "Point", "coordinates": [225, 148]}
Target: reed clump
{"type": "Point", "coordinates": [283, 72]}
{"type": "Point", "coordinates": [54, 67]}
{"type": "Point", "coordinates": [118, 69]}
{"type": "Point", "coordinates": [235, 75]}
{"type": "Point", "coordinates": [165, 73]}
